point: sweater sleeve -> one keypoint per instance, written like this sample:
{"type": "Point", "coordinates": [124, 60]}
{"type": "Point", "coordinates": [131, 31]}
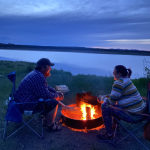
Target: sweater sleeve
{"type": "Point", "coordinates": [116, 92]}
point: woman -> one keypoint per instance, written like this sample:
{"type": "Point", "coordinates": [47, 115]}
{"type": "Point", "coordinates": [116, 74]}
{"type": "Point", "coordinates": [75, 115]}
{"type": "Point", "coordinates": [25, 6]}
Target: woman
{"type": "Point", "coordinates": [125, 96]}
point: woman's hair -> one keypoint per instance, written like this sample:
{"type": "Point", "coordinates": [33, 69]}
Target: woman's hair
{"type": "Point", "coordinates": [123, 71]}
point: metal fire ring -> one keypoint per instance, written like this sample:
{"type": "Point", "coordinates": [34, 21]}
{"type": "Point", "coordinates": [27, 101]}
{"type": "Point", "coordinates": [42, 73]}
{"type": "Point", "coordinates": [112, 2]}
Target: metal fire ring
{"type": "Point", "coordinates": [81, 124]}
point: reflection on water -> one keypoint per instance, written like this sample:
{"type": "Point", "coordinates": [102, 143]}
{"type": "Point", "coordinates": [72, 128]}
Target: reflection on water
{"type": "Point", "coordinates": [83, 63]}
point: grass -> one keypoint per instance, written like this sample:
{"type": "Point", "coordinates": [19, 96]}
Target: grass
{"type": "Point", "coordinates": [95, 84]}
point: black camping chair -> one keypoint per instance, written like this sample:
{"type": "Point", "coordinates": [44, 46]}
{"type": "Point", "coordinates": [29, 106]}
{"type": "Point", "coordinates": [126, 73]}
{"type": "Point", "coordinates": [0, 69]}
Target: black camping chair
{"type": "Point", "coordinates": [140, 123]}
{"type": "Point", "coordinates": [14, 114]}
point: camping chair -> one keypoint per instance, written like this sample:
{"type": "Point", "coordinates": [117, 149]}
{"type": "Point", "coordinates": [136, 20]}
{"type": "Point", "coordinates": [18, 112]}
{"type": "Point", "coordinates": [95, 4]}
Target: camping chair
{"type": "Point", "coordinates": [144, 117]}
{"type": "Point", "coordinates": [14, 114]}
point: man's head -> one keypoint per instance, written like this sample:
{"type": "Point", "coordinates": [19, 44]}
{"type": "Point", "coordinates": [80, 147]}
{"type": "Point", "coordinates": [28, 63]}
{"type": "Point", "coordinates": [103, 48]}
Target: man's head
{"type": "Point", "coordinates": [44, 66]}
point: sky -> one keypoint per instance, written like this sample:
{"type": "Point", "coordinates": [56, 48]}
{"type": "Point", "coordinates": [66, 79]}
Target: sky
{"type": "Point", "coordinates": [123, 24]}
{"type": "Point", "coordinates": [87, 23]}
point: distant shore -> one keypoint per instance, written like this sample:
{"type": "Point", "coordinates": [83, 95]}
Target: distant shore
{"type": "Point", "coordinates": [74, 49]}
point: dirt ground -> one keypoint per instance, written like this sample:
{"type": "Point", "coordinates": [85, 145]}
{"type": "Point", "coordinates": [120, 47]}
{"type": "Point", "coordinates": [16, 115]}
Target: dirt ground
{"type": "Point", "coordinates": [66, 139]}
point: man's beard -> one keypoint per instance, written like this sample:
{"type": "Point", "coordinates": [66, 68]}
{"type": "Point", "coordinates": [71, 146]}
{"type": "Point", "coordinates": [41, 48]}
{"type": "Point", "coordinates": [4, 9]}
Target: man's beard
{"type": "Point", "coordinates": [47, 74]}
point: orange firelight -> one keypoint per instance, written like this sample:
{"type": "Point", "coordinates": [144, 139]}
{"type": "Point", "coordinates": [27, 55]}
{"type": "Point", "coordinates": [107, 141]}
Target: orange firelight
{"type": "Point", "coordinates": [84, 115]}
{"type": "Point", "coordinates": [88, 111]}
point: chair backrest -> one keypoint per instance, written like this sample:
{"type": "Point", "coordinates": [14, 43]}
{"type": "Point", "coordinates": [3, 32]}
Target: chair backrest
{"type": "Point", "coordinates": [12, 77]}
{"type": "Point", "coordinates": [148, 96]}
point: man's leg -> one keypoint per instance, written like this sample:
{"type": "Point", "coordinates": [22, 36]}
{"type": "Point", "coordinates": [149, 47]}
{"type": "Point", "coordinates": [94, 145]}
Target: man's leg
{"type": "Point", "coordinates": [50, 117]}
{"type": "Point", "coordinates": [51, 107]}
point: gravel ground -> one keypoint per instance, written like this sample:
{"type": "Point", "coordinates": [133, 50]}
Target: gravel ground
{"type": "Point", "coordinates": [65, 139]}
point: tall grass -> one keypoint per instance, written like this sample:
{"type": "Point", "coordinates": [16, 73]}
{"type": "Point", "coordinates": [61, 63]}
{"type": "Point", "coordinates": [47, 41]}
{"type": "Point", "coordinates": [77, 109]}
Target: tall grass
{"type": "Point", "coordinates": [95, 84]}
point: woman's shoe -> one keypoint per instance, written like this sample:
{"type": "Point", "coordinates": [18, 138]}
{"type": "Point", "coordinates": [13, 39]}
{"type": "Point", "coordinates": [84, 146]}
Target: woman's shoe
{"type": "Point", "coordinates": [105, 136]}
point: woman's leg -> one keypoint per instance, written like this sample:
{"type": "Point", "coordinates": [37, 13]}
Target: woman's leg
{"type": "Point", "coordinates": [108, 113]}
{"type": "Point", "coordinates": [107, 118]}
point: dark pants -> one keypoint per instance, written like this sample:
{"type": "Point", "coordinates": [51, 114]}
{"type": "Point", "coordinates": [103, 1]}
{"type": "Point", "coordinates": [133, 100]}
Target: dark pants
{"type": "Point", "coordinates": [46, 106]}
{"type": "Point", "coordinates": [15, 110]}
{"type": "Point", "coordinates": [108, 113]}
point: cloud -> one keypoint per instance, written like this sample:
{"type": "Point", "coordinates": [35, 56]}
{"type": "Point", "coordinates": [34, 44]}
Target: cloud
{"type": "Point", "coordinates": [129, 41]}
{"type": "Point", "coordinates": [75, 22]}
{"type": "Point", "coordinates": [91, 9]}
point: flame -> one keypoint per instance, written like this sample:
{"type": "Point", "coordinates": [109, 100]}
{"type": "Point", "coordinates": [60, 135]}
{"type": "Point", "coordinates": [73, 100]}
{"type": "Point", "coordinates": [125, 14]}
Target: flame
{"type": "Point", "coordinates": [84, 111]}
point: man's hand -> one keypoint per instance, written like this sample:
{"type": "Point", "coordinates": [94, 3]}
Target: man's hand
{"type": "Point", "coordinates": [60, 96]}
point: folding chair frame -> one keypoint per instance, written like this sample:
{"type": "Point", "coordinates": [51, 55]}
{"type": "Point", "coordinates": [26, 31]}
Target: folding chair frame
{"type": "Point", "coordinates": [130, 133]}
{"type": "Point", "coordinates": [25, 124]}
{"type": "Point", "coordinates": [12, 77]}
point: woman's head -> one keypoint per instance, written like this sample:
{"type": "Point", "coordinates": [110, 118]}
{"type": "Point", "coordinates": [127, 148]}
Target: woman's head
{"type": "Point", "coordinates": [121, 71]}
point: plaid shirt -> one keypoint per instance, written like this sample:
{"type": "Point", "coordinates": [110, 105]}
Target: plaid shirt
{"type": "Point", "coordinates": [33, 87]}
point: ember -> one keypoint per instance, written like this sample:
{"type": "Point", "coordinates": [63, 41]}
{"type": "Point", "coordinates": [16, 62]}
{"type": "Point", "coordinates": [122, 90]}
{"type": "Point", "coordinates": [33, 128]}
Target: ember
{"type": "Point", "coordinates": [86, 113]}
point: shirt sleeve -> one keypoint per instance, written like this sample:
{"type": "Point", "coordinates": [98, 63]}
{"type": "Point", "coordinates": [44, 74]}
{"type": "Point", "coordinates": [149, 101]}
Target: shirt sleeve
{"type": "Point", "coordinates": [116, 92]}
{"type": "Point", "coordinates": [51, 89]}
{"type": "Point", "coordinates": [42, 90]}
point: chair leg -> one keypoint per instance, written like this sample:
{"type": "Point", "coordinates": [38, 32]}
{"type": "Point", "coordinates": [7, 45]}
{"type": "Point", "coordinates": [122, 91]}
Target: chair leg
{"type": "Point", "coordinates": [42, 135]}
{"type": "Point", "coordinates": [5, 130]}
{"type": "Point", "coordinates": [129, 132]}
{"type": "Point", "coordinates": [34, 131]}
{"type": "Point", "coordinates": [5, 136]}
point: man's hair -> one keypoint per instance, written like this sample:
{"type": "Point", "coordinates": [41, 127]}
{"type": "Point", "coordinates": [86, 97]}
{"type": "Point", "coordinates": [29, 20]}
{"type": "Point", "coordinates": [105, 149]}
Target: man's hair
{"type": "Point", "coordinates": [43, 62]}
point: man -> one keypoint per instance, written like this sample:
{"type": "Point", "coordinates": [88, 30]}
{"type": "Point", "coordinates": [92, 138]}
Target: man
{"type": "Point", "coordinates": [34, 87]}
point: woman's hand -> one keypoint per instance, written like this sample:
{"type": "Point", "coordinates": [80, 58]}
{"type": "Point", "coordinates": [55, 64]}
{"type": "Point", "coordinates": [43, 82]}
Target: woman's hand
{"type": "Point", "coordinates": [100, 98]}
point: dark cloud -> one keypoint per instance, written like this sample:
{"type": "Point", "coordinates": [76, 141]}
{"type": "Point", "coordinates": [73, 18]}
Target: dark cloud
{"type": "Point", "coordinates": [85, 27]}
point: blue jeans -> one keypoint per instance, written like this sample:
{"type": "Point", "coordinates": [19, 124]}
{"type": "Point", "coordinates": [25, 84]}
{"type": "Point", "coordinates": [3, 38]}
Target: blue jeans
{"type": "Point", "coordinates": [108, 113]}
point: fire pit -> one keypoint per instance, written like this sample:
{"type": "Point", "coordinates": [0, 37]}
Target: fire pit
{"type": "Point", "coordinates": [85, 114]}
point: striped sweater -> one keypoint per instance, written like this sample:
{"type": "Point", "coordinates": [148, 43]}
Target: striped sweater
{"type": "Point", "coordinates": [125, 94]}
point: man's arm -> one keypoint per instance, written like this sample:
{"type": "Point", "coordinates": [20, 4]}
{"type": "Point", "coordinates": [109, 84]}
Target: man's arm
{"type": "Point", "coordinates": [42, 90]}
{"type": "Point", "coordinates": [51, 89]}
{"type": "Point", "coordinates": [59, 95]}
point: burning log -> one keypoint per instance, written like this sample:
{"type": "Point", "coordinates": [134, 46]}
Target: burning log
{"type": "Point", "coordinates": [88, 113]}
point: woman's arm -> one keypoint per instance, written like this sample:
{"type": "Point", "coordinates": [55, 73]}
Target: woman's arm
{"type": "Point", "coordinates": [116, 92]}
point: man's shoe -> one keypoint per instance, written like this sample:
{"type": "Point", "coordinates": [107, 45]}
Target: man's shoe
{"type": "Point", "coordinates": [56, 126]}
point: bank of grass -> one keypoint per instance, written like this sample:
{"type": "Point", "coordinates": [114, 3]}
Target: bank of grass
{"type": "Point", "coordinates": [95, 84]}
{"type": "Point", "coordinates": [79, 83]}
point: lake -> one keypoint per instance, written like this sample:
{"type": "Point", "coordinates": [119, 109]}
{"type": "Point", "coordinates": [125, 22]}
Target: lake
{"type": "Point", "coordinates": [82, 63]}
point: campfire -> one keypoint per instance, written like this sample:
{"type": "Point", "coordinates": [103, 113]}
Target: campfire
{"type": "Point", "coordinates": [85, 114]}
